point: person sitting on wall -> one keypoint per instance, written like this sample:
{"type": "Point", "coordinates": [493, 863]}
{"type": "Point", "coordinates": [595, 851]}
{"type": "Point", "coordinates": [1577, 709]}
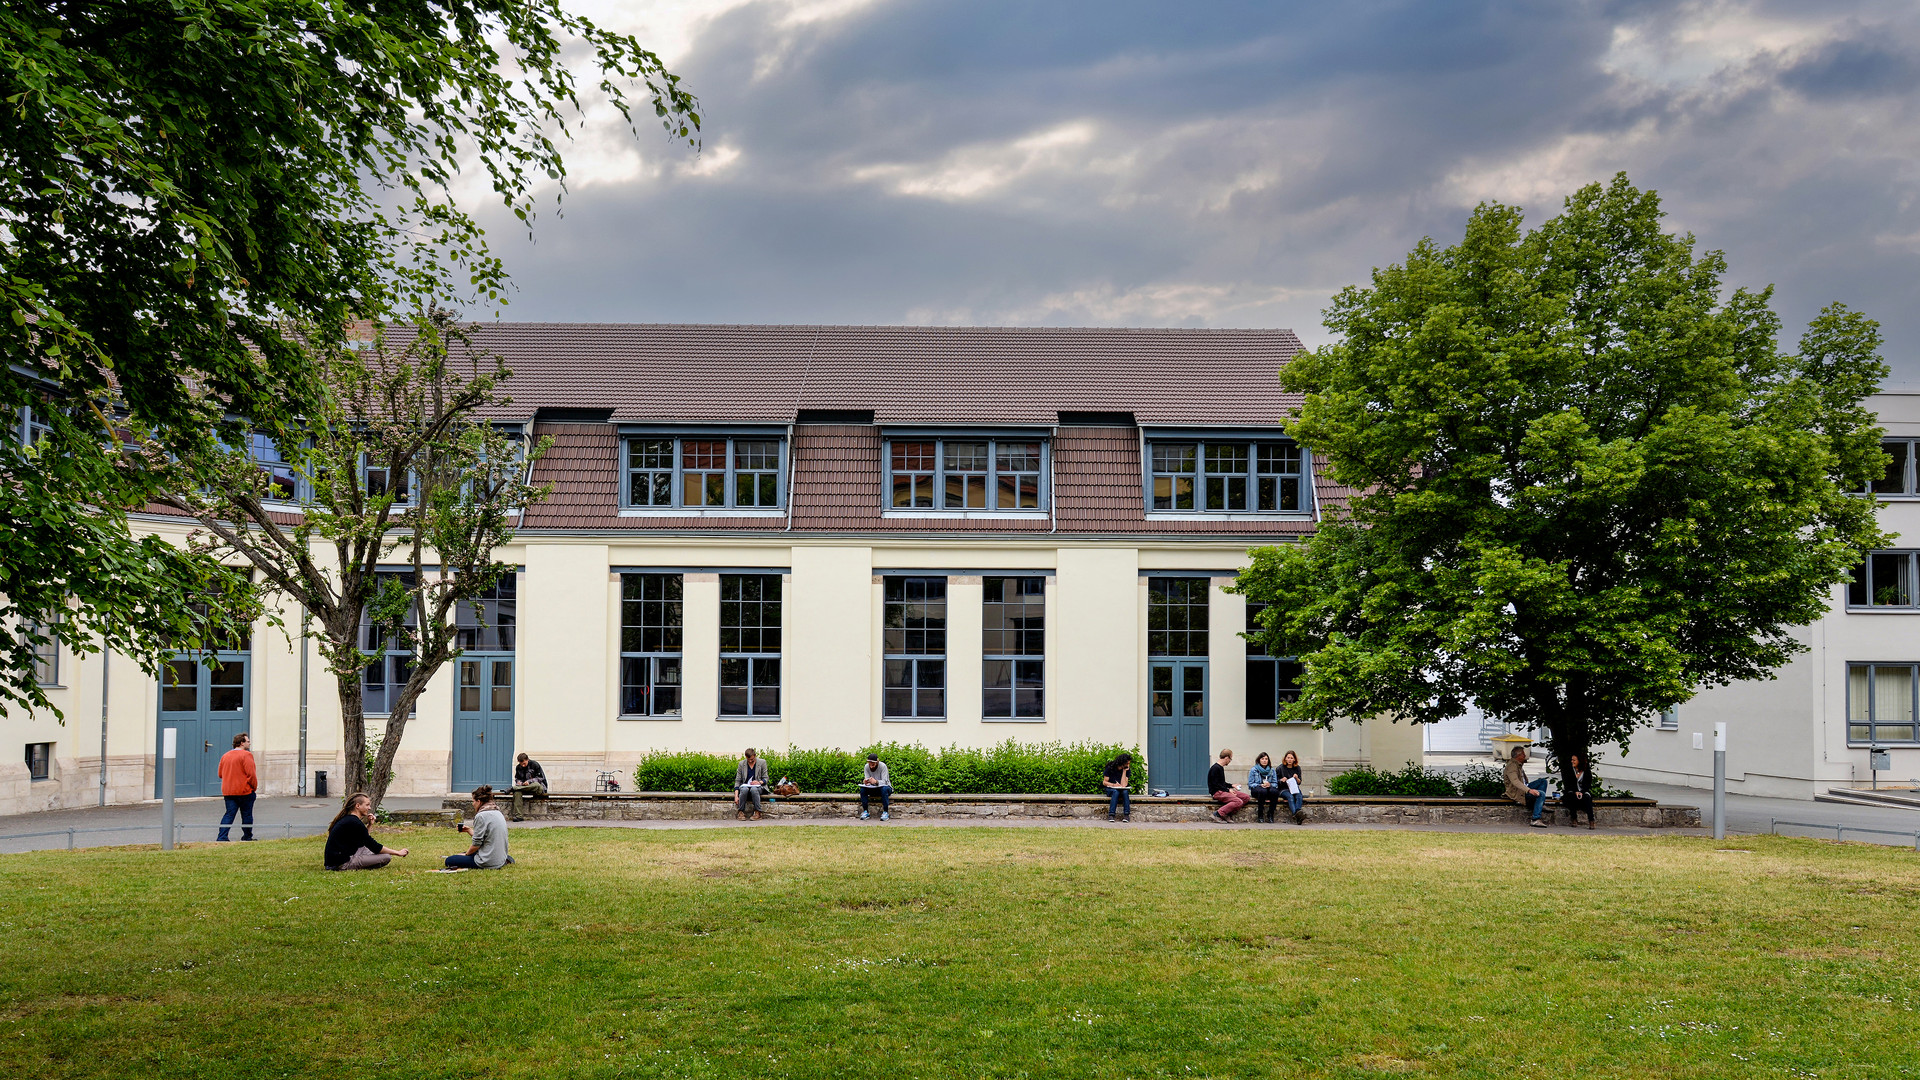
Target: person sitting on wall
{"type": "Point", "coordinates": [1532, 795]}
{"type": "Point", "coordinates": [749, 785]}
{"type": "Point", "coordinates": [1263, 783]}
{"type": "Point", "coordinates": [1118, 780]}
{"type": "Point", "coordinates": [349, 845]}
{"type": "Point", "coordinates": [489, 829]}
{"type": "Point", "coordinates": [1579, 794]}
{"type": "Point", "coordinates": [529, 782]}
{"type": "Point", "coordinates": [876, 782]}
{"type": "Point", "coordinates": [1230, 798]}
{"type": "Point", "coordinates": [1293, 786]}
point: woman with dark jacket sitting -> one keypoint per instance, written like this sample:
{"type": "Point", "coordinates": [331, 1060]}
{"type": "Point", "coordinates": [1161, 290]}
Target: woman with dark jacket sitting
{"type": "Point", "coordinates": [349, 845]}
{"type": "Point", "coordinates": [1580, 783]}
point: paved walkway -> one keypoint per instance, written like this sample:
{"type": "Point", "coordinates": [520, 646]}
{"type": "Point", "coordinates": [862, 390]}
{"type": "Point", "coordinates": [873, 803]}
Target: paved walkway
{"type": "Point", "coordinates": [281, 816]}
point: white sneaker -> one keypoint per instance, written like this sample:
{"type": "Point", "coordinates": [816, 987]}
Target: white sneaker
{"type": "Point", "coordinates": [1537, 823]}
{"type": "Point", "coordinates": [863, 815]}
{"type": "Point", "coordinates": [883, 815]}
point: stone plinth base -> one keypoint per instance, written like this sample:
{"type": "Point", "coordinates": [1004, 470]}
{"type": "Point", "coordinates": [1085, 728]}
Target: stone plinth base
{"type": "Point", "coordinates": [705, 806]}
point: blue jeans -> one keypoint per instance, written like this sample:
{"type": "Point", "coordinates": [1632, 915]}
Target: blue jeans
{"type": "Point", "coordinates": [462, 862]}
{"type": "Point", "coordinates": [1294, 799]}
{"type": "Point", "coordinates": [1538, 800]}
{"type": "Point", "coordinates": [244, 805]}
{"type": "Point", "coordinates": [867, 791]}
{"type": "Point", "coordinates": [1120, 798]}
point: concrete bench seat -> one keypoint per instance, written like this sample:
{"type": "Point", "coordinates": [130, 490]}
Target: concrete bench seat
{"type": "Point", "coordinates": [1350, 809]}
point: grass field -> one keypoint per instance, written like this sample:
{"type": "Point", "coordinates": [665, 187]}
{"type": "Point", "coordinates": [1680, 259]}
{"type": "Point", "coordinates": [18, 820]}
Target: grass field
{"type": "Point", "coordinates": [930, 952]}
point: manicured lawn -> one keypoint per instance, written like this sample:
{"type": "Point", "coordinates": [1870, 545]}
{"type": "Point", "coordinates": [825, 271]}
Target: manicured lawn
{"type": "Point", "coordinates": [892, 953]}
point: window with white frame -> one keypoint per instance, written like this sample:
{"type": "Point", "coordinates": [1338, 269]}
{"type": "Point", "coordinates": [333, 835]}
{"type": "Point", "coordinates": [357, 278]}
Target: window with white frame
{"type": "Point", "coordinates": [1272, 681]}
{"type": "Point", "coordinates": [985, 474]}
{"type": "Point", "coordinates": [1899, 479]}
{"type": "Point", "coordinates": [1014, 649]}
{"type": "Point", "coordinates": [914, 631]}
{"type": "Point", "coordinates": [750, 645]}
{"type": "Point", "coordinates": [388, 651]}
{"type": "Point", "coordinates": [706, 472]}
{"type": "Point", "coordinates": [1880, 703]}
{"type": "Point", "coordinates": [1226, 476]}
{"type": "Point", "coordinates": [1670, 719]}
{"type": "Point", "coordinates": [1883, 579]}
{"type": "Point", "coordinates": [651, 622]}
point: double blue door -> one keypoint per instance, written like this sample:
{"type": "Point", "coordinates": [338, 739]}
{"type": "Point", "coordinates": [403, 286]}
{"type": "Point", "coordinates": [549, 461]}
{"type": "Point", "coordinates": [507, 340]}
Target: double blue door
{"type": "Point", "coordinates": [1177, 726]}
{"type": "Point", "coordinates": [483, 721]}
{"type": "Point", "coordinates": [203, 698]}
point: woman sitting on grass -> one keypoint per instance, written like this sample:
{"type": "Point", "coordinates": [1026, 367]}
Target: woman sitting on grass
{"type": "Point", "coordinates": [349, 845]}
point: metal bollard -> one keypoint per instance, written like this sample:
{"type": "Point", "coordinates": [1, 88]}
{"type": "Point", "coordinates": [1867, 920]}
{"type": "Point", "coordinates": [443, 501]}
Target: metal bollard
{"type": "Point", "coordinates": [69, 838]}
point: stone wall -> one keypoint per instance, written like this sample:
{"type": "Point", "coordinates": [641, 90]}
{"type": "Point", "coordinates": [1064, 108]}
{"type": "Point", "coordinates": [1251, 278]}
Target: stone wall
{"type": "Point", "coordinates": [696, 806]}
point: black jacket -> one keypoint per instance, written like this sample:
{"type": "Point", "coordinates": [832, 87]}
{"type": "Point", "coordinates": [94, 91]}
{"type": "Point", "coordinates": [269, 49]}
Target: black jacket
{"type": "Point", "coordinates": [1580, 785]}
{"type": "Point", "coordinates": [530, 773]}
{"type": "Point", "coordinates": [346, 837]}
{"type": "Point", "coordinates": [1217, 779]}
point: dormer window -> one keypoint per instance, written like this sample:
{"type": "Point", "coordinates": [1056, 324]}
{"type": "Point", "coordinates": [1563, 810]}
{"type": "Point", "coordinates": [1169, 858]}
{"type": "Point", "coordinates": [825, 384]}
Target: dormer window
{"type": "Point", "coordinates": [1226, 476]}
{"type": "Point", "coordinates": [991, 475]}
{"type": "Point", "coordinates": [705, 472]}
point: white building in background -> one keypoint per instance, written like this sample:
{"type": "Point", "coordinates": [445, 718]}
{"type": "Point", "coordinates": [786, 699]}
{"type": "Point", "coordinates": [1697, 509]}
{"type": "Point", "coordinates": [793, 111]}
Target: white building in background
{"type": "Point", "coordinates": [1815, 725]}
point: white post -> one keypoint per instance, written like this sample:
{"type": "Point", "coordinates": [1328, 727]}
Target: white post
{"type": "Point", "coordinates": [168, 737]}
{"type": "Point", "coordinates": [1720, 780]}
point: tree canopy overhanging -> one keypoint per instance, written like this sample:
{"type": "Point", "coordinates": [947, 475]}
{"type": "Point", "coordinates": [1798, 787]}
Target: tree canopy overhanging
{"type": "Point", "coordinates": [189, 189]}
{"type": "Point", "coordinates": [1587, 481]}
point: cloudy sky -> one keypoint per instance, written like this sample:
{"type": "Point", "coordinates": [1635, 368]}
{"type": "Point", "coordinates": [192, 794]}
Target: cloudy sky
{"type": "Point", "coordinates": [1211, 163]}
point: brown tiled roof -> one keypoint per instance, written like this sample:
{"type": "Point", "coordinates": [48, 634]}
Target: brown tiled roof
{"type": "Point", "coordinates": [837, 488]}
{"type": "Point", "coordinates": [904, 374]}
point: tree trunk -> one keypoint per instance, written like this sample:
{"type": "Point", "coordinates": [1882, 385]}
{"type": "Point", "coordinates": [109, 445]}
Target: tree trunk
{"type": "Point", "coordinates": [389, 749]}
{"type": "Point", "coordinates": [353, 723]}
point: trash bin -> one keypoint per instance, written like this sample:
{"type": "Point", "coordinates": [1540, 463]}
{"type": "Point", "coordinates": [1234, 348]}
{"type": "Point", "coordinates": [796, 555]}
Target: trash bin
{"type": "Point", "coordinates": [320, 784]}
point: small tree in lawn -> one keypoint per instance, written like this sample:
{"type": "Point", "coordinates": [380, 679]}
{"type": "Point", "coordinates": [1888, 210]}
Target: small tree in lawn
{"type": "Point", "coordinates": [401, 461]}
{"type": "Point", "coordinates": [1588, 482]}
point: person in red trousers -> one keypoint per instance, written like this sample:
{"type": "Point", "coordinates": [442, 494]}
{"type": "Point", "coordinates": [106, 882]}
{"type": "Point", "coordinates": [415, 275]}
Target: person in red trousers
{"type": "Point", "coordinates": [239, 783]}
{"type": "Point", "coordinates": [1230, 798]}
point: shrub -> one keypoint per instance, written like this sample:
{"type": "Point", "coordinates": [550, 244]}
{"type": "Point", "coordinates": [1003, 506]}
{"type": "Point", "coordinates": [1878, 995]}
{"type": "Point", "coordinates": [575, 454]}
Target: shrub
{"type": "Point", "coordinates": [1482, 782]}
{"type": "Point", "coordinates": [1414, 780]}
{"type": "Point", "coordinates": [1010, 768]}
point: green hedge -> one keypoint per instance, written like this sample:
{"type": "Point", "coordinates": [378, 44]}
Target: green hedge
{"type": "Point", "coordinates": [1010, 768]}
{"type": "Point", "coordinates": [1478, 782]}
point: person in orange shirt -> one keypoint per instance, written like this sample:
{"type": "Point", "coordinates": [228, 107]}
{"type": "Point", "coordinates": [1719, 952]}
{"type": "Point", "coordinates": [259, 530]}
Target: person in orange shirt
{"type": "Point", "coordinates": [239, 782]}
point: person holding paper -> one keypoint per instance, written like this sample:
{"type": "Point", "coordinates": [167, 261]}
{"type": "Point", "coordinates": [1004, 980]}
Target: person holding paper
{"type": "Point", "coordinates": [1290, 780]}
{"type": "Point", "coordinates": [1264, 785]}
{"type": "Point", "coordinates": [749, 784]}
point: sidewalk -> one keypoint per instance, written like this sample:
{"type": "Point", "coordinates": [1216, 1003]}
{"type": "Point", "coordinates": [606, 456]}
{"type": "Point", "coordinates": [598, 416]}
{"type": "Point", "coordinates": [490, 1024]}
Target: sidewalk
{"type": "Point", "coordinates": [139, 823]}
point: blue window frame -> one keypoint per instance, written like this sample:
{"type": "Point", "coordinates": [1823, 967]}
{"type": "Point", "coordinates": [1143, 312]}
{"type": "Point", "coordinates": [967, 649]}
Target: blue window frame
{"type": "Point", "coordinates": [750, 645]}
{"type": "Point", "coordinates": [1228, 476]}
{"type": "Point", "coordinates": [1177, 614]}
{"type": "Point", "coordinates": [1014, 649]}
{"type": "Point", "coordinates": [974, 473]}
{"type": "Point", "coordinates": [915, 644]}
{"type": "Point", "coordinates": [389, 654]}
{"type": "Point", "coordinates": [1272, 681]}
{"type": "Point", "coordinates": [705, 472]}
{"type": "Point", "coordinates": [651, 622]}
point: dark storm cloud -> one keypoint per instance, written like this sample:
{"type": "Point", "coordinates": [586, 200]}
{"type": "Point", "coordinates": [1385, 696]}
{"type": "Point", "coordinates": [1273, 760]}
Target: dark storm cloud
{"type": "Point", "coordinates": [1233, 164]}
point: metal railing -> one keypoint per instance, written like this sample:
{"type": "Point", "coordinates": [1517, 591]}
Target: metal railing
{"type": "Point", "coordinates": [1840, 831]}
{"type": "Point", "coordinates": [286, 828]}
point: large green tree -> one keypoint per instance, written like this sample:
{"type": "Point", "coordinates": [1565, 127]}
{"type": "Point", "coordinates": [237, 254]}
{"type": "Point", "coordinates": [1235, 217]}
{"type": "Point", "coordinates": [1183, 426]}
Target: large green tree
{"type": "Point", "coordinates": [1588, 481]}
{"type": "Point", "coordinates": [188, 189]}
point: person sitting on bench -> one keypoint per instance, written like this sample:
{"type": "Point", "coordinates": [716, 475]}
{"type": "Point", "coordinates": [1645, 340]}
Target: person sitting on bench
{"type": "Point", "coordinates": [529, 782]}
{"type": "Point", "coordinates": [876, 782]}
{"type": "Point", "coordinates": [749, 785]}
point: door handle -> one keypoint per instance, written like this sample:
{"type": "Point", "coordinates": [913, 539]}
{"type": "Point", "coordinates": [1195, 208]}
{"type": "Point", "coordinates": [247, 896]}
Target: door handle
{"type": "Point", "coordinates": [209, 744]}
{"type": "Point", "coordinates": [1176, 740]}
{"type": "Point", "coordinates": [483, 736]}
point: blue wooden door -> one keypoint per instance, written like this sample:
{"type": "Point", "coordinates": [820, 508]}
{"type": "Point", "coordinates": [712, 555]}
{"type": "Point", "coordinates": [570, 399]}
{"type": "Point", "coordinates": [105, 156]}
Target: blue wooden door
{"type": "Point", "coordinates": [1177, 725]}
{"type": "Point", "coordinates": [483, 721]}
{"type": "Point", "coordinates": [203, 697]}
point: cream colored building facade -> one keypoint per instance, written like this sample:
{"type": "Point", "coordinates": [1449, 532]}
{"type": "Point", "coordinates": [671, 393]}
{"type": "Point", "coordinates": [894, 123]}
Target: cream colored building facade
{"type": "Point", "coordinates": [1093, 550]}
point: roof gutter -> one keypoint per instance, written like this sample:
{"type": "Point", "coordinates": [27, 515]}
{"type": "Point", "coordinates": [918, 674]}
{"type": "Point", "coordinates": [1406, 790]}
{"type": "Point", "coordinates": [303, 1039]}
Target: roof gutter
{"type": "Point", "coordinates": [1053, 507]}
{"type": "Point", "coordinates": [790, 475]}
